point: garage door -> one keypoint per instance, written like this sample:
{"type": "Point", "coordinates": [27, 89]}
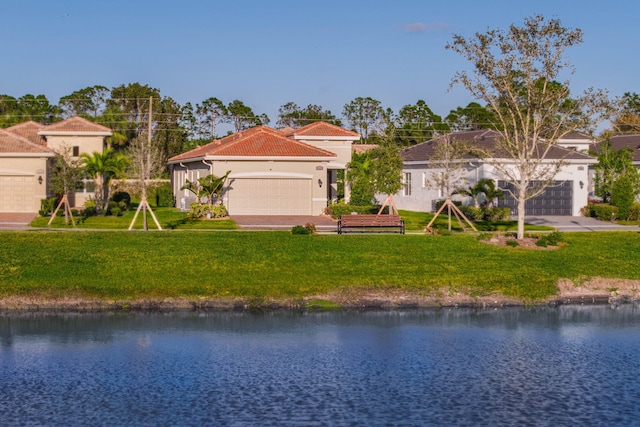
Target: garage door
{"type": "Point", "coordinates": [16, 193]}
{"type": "Point", "coordinates": [270, 196]}
{"type": "Point", "coordinates": [556, 200]}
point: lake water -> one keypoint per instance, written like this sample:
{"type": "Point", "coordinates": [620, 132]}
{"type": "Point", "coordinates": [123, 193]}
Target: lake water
{"type": "Point", "coordinates": [575, 366]}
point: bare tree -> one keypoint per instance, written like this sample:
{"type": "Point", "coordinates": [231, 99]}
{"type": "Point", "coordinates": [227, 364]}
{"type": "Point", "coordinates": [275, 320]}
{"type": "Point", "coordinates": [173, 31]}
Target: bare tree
{"type": "Point", "coordinates": [448, 168]}
{"type": "Point", "coordinates": [516, 73]}
{"type": "Point", "coordinates": [66, 176]}
{"type": "Point", "coordinates": [146, 163]}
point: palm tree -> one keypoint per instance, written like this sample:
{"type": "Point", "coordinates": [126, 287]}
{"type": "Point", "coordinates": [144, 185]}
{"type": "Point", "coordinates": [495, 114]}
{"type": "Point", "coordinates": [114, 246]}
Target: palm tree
{"type": "Point", "coordinates": [485, 187]}
{"type": "Point", "coordinates": [104, 167]}
{"type": "Point", "coordinates": [212, 186]}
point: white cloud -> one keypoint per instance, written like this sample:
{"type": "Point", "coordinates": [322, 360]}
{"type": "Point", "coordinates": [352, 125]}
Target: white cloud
{"type": "Point", "coordinates": [421, 27]}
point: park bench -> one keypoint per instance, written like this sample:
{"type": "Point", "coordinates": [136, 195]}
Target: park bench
{"type": "Point", "coordinates": [370, 224]}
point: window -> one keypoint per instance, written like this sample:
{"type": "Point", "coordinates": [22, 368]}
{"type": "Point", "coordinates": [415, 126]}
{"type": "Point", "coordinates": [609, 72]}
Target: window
{"type": "Point", "coordinates": [76, 151]}
{"type": "Point", "coordinates": [425, 180]}
{"type": "Point", "coordinates": [406, 184]}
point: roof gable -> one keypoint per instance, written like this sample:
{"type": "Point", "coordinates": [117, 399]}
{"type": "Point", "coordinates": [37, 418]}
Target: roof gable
{"type": "Point", "coordinates": [29, 130]}
{"type": "Point", "coordinates": [75, 125]}
{"type": "Point", "coordinates": [322, 129]}
{"type": "Point", "coordinates": [631, 142]}
{"type": "Point", "coordinates": [259, 141]}
{"type": "Point", "coordinates": [12, 143]}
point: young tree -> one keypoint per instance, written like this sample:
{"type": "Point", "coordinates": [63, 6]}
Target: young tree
{"type": "Point", "coordinates": [449, 167]}
{"type": "Point", "coordinates": [386, 173]}
{"type": "Point", "coordinates": [146, 163]}
{"type": "Point", "coordinates": [66, 177]}
{"type": "Point", "coordinates": [515, 73]}
{"type": "Point", "coordinates": [360, 179]}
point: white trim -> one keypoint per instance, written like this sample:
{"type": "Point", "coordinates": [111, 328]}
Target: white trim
{"type": "Point", "coordinates": [253, 158]}
{"type": "Point", "coordinates": [265, 175]}
{"type": "Point", "coordinates": [45, 154]}
{"type": "Point", "coordinates": [13, 172]}
{"type": "Point", "coordinates": [326, 138]}
{"type": "Point", "coordinates": [333, 165]}
{"type": "Point", "coordinates": [319, 199]}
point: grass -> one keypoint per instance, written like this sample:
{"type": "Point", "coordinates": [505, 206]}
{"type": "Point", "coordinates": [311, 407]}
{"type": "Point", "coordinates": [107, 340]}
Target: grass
{"type": "Point", "coordinates": [417, 221]}
{"type": "Point", "coordinates": [279, 265]}
{"type": "Point", "coordinates": [167, 217]}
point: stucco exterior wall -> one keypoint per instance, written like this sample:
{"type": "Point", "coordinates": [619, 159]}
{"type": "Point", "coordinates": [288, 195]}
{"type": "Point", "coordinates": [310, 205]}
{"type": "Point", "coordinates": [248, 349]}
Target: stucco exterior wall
{"type": "Point", "coordinates": [86, 144]}
{"type": "Point", "coordinates": [30, 169]}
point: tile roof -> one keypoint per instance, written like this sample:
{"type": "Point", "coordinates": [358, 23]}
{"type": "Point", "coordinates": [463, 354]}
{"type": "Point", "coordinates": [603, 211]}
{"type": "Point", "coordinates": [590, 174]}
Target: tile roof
{"type": "Point", "coordinates": [322, 129]}
{"type": "Point", "coordinates": [75, 124]}
{"type": "Point", "coordinates": [12, 143]}
{"type": "Point", "coordinates": [631, 142]}
{"type": "Point", "coordinates": [29, 130]}
{"type": "Point", "coordinates": [363, 148]}
{"type": "Point", "coordinates": [482, 139]}
{"type": "Point", "coordinates": [259, 141]}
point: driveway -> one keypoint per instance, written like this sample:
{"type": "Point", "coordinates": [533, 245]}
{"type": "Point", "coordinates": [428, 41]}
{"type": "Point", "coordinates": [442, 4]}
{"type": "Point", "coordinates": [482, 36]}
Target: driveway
{"type": "Point", "coordinates": [578, 223]}
{"type": "Point", "coordinates": [15, 221]}
{"type": "Point", "coordinates": [282, 222]}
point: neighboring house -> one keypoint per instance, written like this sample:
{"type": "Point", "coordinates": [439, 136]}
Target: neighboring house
{"type": "Point", "coordinates": [568, 194]}
{"type": "Point", "coordinates": [26, 153]}
{"type": "Point", "coordinates": [632, 142]}
{"type": "Point", "coordinates": [288, 172]}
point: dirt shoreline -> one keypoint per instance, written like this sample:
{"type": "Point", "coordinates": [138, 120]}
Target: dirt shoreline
{"type": "Point", "coordinates": [592, 291]}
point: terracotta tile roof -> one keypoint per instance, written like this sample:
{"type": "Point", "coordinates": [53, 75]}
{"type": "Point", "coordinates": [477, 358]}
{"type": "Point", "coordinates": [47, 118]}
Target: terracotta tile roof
{"type": "Point", "coordinates": [322, 129]}
{"type": "Point", "coordinates": [75, 124]}
{"type": "Point", "coordinates": [29, 130]}
{"type": "Point", "coordinates": [12, 143]}
{"type": "Point", "coordinates": [486, 140]}
{"type": "Point", "coordinates": [259, 141]}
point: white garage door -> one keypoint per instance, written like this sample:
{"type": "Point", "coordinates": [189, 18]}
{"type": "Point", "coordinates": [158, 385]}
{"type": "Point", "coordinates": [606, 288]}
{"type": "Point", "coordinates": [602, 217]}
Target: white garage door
{"type": "Point", "coordinates": [16, 193]}
{"type": "Point", "coordinates": [270, 196]}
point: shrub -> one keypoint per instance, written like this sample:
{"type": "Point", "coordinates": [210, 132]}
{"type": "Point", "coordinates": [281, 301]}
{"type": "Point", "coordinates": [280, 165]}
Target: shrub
{"type": "Point", "coordinates": [338, 209]}
{"type": "Point", "coordinates": [90, 208]}
{"type": "Point", "coordinates": [299, 229]}
{"type": "Point", "coordinates": [634, 212]}
{"type": "Point", "coordinates": [472, 213]}
{"type": "Point", "coordinates": [604, 212]}
{"type": "Point", "coordinates": [311, 227]}
{"type": "Point", "coordinates": [439, 203]}
{"type": "Point", "coordinates": [164, 196]}
{"type": "Point", "coordinates": [512, 243]}
{"type": "Point", "coordinates": [496, 214]}
{"type": "Point", "coordinates": [218, 211]}
{"type": "Point", "coordinates": [623, 194]}
{"type": "Point", "coordinates": [115, 211]}
{"type": "Point", "coordinates": [47, 205]}
{"type": "Point", "coordinates": [122, 197]}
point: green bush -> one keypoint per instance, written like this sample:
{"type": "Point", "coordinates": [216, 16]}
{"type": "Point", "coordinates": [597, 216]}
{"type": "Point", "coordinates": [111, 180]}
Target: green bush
{"type": "Point", "coordinates": [299, 229]}
{"type": "Point", "coordinates": [47, 205]}
{"type": "Point", "coordinates": [634, 212]}
{"type": "Point", "coordinates": [122, 197]}
{"type": "Point", "coordinates": [512, 243]}
{"type": "Point", "coordinates": [603, 212]}
{"type": "Point", "coordinates": [115, 211]}
{"type": "Point", "coordinates": [201, 210]}
{"type": "Point", "coordinates": [338, 209]}
{"type": "Point", "coordinates": [311, 227]}
{"type": "Point", "coordinates": [164, 196]}
{"type": "Point", "coordinates": [90, 208]}
{"type": "Point", "coordinates": [496, 214]}
{"type": "Point", "coordinates": [439, 203]}
{"type": "Point", "coordinates": [472, 213]}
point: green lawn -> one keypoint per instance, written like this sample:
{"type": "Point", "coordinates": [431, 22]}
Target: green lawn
{"type": "Point", "coordinates": [125, 265]}
{"type": "Point", "coordinates": [168, 217]}
{"type": "Point", "coordinates": [417, 221]}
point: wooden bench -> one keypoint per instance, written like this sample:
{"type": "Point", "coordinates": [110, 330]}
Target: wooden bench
{"type": "Point", "coordinates": [370, 224]}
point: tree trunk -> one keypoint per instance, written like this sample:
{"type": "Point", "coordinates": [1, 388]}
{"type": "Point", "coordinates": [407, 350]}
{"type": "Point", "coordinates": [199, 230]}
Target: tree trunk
{"type": "Point", "coordinates": [521, 201]}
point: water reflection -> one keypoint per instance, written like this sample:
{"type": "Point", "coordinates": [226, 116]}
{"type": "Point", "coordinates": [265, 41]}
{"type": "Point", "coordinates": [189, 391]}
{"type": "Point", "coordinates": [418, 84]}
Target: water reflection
{"type": "Point", "coordinates": [534, 366]}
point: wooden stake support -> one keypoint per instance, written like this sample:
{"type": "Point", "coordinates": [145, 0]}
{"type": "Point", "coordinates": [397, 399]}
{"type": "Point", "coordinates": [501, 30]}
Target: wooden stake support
{"type": "Point", "coordinates": [392, 206]}
{"type": "Point", "coordinates": [144, 205]}
{"type": "Point", "coordinates": [67, 212]}
{"type": "Point", "coordinates": [456, 212]}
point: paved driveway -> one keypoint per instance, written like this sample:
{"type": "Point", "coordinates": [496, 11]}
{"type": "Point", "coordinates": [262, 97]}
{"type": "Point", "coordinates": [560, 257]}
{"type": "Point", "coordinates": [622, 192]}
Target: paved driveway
{"type": "Point", "coordinates": [12, 221]}
{"type": "Point", "coordinates": [578, 223]}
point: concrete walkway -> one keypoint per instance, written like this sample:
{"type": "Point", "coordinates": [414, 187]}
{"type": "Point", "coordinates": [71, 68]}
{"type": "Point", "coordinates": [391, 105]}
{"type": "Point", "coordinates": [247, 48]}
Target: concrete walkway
{"type": "Point", "coordinates": [578, 223]}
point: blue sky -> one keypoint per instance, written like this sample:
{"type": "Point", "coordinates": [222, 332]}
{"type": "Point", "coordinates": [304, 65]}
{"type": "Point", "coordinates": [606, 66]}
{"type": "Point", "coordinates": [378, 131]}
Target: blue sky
{"type": "Point", "coordinates": [267, 53]}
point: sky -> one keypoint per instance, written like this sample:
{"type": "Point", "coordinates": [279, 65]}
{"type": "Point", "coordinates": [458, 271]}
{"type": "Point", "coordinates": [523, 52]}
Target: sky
{"type": "Point", "coordinates": [268, 53]}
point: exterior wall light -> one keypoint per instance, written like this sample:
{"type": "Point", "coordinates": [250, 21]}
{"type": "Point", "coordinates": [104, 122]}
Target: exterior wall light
{"type": "Point", "coordinates": [581, 184]}
{"type": "Point", "coordinates": [40, 180]}
{"type": "Point", "coordinates": [319, 183]}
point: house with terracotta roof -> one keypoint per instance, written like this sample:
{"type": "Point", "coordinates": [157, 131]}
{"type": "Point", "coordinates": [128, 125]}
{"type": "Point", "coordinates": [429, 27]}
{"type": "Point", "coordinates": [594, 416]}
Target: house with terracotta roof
{"type": "Point", "coordinates": [568, 193]}
{"type": "Point", "coordinates": [26, 153]}
{"type": "Point", "coordinates": [273, 172]}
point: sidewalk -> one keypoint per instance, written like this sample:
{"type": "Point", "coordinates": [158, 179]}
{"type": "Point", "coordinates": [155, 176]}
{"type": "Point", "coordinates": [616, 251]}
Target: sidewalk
{"type": "Point", "coordinates": [15, 221]}
{"type": "Point", "coordinates": [578, 223]}
{"type": "Point", "coordinates": [266, 222]}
